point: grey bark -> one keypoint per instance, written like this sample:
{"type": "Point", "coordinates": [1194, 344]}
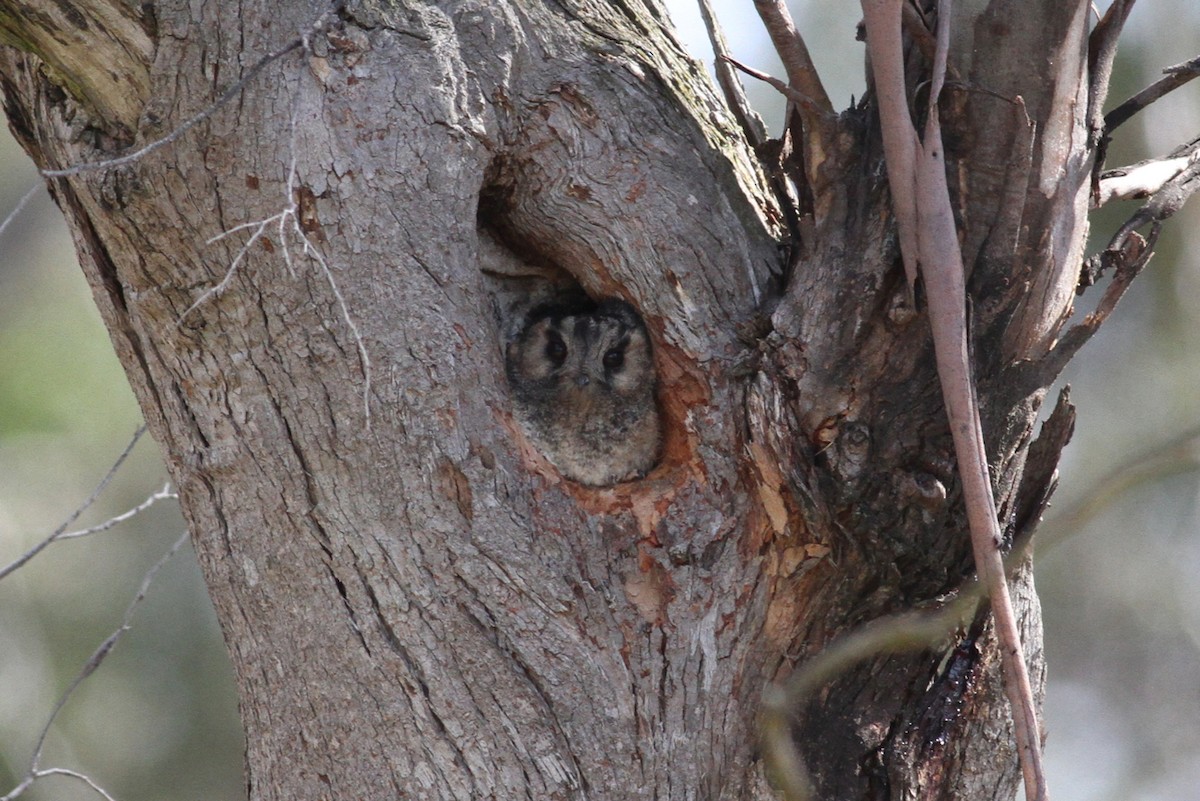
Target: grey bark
{"type": "Point", "coordinates": [414, 604]}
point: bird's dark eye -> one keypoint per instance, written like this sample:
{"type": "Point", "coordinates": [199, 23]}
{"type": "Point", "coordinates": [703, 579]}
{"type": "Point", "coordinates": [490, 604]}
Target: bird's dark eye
{"type": "Point", "coordinates": [614, 359]}
{"type": "Point", "coordinates": [556, 349]}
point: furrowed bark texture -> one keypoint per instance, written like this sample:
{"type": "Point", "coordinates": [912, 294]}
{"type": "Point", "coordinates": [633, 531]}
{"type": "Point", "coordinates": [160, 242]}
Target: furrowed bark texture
{"type": "Point", "coordinates": [416, 606]}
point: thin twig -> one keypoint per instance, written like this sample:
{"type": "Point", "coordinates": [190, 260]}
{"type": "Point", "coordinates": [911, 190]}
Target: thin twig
{"type": "Point", "coordinates": [750, 123]}
{"type": "Point", "coordinates": [187, 125]}
{"type": "Point", "coordinates": [289, 220]}
{"type": "Point", "coordinates": [790, 92]}
{"type": "Point", "coordinates": [12, 215]}
{"type": "Point", "coordinates": [94, 661]}
{"type": "Point", "coordinates": [164, 494]}
{"type": "Point", "coordinates": [220, 287]}
{"type": "Point", "coordinates": [88, 780]}
{"type": "Point", "coordinates": [359, 343]}
{"type": "Point", "coordinates": [58, 533]}
{"type": "Point", "coordinates": [731, 87]}
{"type": "Point", "coordinates": [801, 72]}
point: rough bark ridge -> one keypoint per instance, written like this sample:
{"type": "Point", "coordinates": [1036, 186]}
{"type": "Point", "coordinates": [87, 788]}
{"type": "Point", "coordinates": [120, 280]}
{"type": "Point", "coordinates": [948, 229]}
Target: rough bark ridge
{"type": "Point", "coordinates": [414, 604]}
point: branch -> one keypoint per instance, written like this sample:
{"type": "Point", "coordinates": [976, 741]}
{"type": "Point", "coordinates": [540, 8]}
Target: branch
{"type": "Point", "coordinates": [810, 129]}
{"type": "Point", "coordinates": [1170, 198]}
{"type": "Point", "coordinates": [98, 656]}
{"type": "Point", "coordinates": [1102, 51]}
{"type": "Point", "coordinates": [1127, 253]}
{"type": "Point", "coordinates": [883, 19]}
{"type": "Point", "coordinates": [731, 87]}
{"type": "Point", "coordinates": [925, 218]}
{"type": "Point", "coordinates": [17, 209]}
{"type": "Point", "coordinates": [751, 123]}
{"type": "Point", "coordinates": [1176, 77]}
{"type": "Point", "coordinates": [1139, 180]}
{"type": "Point", "coordinates": [164, 494]}
{"type": "Point", "coordinates": [801, 72]}
{"type": "Point", "coordinates": [60, 532]}
{"type": "Point", "coordinates": [790, 92]}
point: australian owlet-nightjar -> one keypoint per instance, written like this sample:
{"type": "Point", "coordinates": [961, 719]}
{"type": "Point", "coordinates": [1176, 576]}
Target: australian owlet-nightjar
{"type": "Point", "coordinates": [583, 386]}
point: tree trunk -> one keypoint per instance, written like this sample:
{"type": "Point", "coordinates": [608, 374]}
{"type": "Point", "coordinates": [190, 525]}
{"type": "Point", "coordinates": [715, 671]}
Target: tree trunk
{"type": "Point", "coordinates": [307, 290]}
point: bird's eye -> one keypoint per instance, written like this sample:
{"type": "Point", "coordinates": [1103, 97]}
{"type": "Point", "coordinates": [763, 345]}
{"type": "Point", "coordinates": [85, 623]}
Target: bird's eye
{"type": "Point", "coordinates": [614, 359]}
{"type": "Point", "coordinates": [556, 349]}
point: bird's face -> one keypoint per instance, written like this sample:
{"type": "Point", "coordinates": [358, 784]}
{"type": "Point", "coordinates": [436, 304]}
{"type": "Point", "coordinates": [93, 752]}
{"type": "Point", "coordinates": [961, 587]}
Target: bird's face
{"type": "Point", "coordinates": [588, 359]}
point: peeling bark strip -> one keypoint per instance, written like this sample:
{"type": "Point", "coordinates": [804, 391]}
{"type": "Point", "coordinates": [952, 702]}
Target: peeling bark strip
{"type": "Point", "coordinates": [304, 259]}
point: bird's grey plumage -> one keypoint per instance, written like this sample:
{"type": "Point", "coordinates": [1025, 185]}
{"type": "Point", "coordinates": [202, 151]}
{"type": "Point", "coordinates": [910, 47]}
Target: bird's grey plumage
{"type": "Point", "coordinates": [583, 385]}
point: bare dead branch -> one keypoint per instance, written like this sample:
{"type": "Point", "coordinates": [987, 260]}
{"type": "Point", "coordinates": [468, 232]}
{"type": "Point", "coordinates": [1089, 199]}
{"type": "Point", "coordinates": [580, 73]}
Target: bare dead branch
{"type": "Point", "coordinates": [59, 532]}
{"type": "Point", "coordinates": [801, 72]}
{"type": "Point", "coordinates": [1176, 76]}
{"type": "Point", "coordinates": [164, 494]}
{"type": "Point", "coordinates": [1102, 51]}
{"type": "Point", "coordinates": [98, 656]}
{"type": "Point", "coordinates": [1126, 259]}
{"type": "Point", "coordinates": [1127, 253]}
{"type": "Point", "coordinates": [928, 238]}
{"type": "Point", "coordinates": [790, 92]}
{"type": "Point", "coordinates": [1139, 180]}
{"type": "Point", "coordinates": [882, 20]}
{"type": "Point", "coordinates": [731, 87]}
{"type": "Point", "coordinates": [751, 124]}
{"type": "Point", "coordinates": [1170, 198]}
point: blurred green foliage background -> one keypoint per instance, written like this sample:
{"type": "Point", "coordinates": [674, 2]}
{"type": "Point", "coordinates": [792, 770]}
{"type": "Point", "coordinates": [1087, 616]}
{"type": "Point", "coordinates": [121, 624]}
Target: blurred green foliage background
{"type": "Point", "coordinates": [158, 720]}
